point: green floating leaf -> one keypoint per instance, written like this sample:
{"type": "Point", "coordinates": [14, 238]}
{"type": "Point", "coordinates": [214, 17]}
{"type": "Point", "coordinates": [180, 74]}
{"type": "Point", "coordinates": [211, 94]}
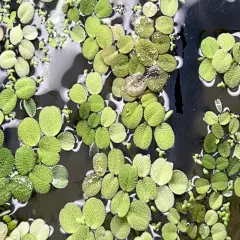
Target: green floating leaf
{"type": "Point", "coordinates": [219, 181]}
{"type": "Point", "coordinates": [161, 41]}
{"type": "Point", "coordinates": [108, 117]}
{"type": "Point", "coordinates": [99, 65]}
{"type": "Point", "coordinates": [210, 145]}
{"type": "Point", "coordinates": [192, 231]}
{"type": "Point", "coordinates": [144, 27]}
{"type": "Point", "coordinates": [164, 24]}
{"type": "Point", "coordinates": [224, 118]}
{"type": "Point", "coordinates": [2, 138]}
{"type": "Point", "coordinates": [94, 120]}
{"type": "Point", "coordinates": [169, 7]}
{"type": "Point", "coordinates": [120, 227]}
{"type": "Point", "coordinates": [118, 31]}
{"type": "Point", "coordinates": [132, 115]}
{"type": "Point", "coordinates": [222, 61]}
{"type": "Point", "coordinates": [139, 215]}
{"type": "Point", "coordinates": [211, 217]}
{"type": "Point", "coordinates": [90, 48]}
{"type": "Point", "coordinates": [102, 138]}
{"type": "Point", "coordinates": [206, 70]}
{"type": "Point", "coordinates": [226, 41]}
{"type": "Point", "coordinates": [143, 164]}
{"type": "Point", "coordinates": [91, 24]}
{"type": "Point", "coordinates": [25, 160]}
{"type": "Point", "coordinates": [30, 32]}
{"type": "Point", "coordinates": [29, 131]}
{"type": "Point", "coordinates": [119, 65]}
{"type": "Point", "coordinates": [102, 234]}
{"type": "Point", "coordinates": [94, 83]}
{"type": "Point", "coordinates": [165, 199]}
{"type": "Point", "coordinates": [127, 177]}
{"type": "Point", "coordinates": [169, 231]}
{"type": "Point", "coordinates": [60, 176]}
{"type": "Point", "coordinates": [125, 44]}
{"type": "Point", "coordinates": [234, 166]}
{"type": "Point", "coordinates": [94, 213]}
{"type": "Point", "coordinates": [109, 54]}
{"type": "Point", "coordinates": [208, 162]}
{"type": "Point", "coordinates": [209, 46]}
{"type": "Point", "coordinates": [28, 236]}
{"type": "Point", "coordinates": [87, 7]}
{"type": "Point", "coordinates": [164, 136]}
{"type": "Point", "coordinates": [78, 93]}
{"type": "Point", "coordinates": [115, 161]}
{"type": "Point", "coordinates": [210, 118]}
{"type": "Point", "coordinates": [8, 100]}
{"type": "Point", "coordinates": [67, 140]}
{"type": "Point", "coordinates": [91, 185]}
{"type": "Point", "coordinates": [16, 35]}
{"type": "Point", "coordinates": [178, 183]}
{"type": "Point", "coordinates": [143, 136]}
{"type": "Point", "coordinates": [202, 185]}
{"type": "Point", "coordinates": [104, 36]}
{"type": "Point", "coordinates": [48, 151]}
{"type": "Point", "coordinates": [146, 189]}
{"type": "Point", "coordinates": [30, 107]}
{"type": "Point", "coordinates": [154, 114]}
{"type": "Point", "coordinates": [96, 103]}
{"type": "Point", "coordinates": [6, 161]}
{"type": "Point", "coordinates": [173, 216]}
{"type": "Point", "coordinates": [167, 62]}
{"type": "Point", "coordinates": [25, 12]}
{"type": "Point", "coordinates": [218, 231]}
{"type": "Point", "coordinates": [81, 233]}
{"type": "Point", "coordinates": [26, 49]}
{"type": "Point", "coordinates": [21, 188]}
{"type": "Point", "coordinates": [7, 59]}
{"type": "Point", "coordinates": [117, 132]}
{"type": "Point", "coordinates": [78, 34]}
{"type": "Point", "coordinates": [50, 120]}
{"type": "Point", "coordinates": [215, 200]}
{"type": "Point", "coordinates": [25, 88]}
{"type": "Point", "coordinates": [222, 163]}
{"type": "Point", "coordinates": [4, 230]}
{"type": "Point", "coordinates": [233, 126]}
{"type": "Point", "coordinates": [217, 130]}
{"type": "Point", "coordinates": [109, 186]}
{"type": "Point", "coordinates": [232, 75]}
{"type": "Point", "coordinates": [41, 185]}
{"type": "Point", "coordinates": [161, 171]}
{"type": "Point", "coordinates": [22, 67]}
{"type": "Point", "coordinates": [103, 9]}
{"type": "Point", "coordinates": [135, 66]}
{"type": "Point", "coordinates": [236, 52]}
{"type": "Point", "coordinates": [237, 186]}
{"type": "Point", "coordinates": [100, 164]}
{"type": "Point", "coordinates": [70, 217]}
{"type": "Point", "coordinates": [224, 149]}
{"type": "Point", "coordinates": [84, 110]}
{"type": "Point", "coordinates": [146, 52]}
{"type": "Point", "coordinates": [149, 9]}
{"type": "Point", "coordinates": [5, 191]}
{"type": "Point", "coordinates": [120, 204]}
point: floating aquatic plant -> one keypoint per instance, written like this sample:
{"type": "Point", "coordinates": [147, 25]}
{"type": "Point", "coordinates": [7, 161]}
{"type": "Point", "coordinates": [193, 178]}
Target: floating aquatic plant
{"type": "Point", "coordinates": [220, 57]}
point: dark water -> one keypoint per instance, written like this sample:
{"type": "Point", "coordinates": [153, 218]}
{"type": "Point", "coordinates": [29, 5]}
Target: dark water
{"type": "Point", "coordinates": [188, 97]}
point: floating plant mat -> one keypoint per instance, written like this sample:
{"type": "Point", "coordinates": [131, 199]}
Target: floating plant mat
{"type": "Point", "coordinates": [98, 120]}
